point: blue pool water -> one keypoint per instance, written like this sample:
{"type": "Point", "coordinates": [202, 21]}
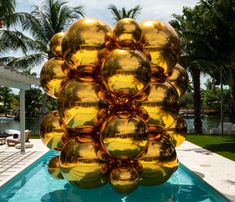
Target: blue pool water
{"type": "Point", "coordinates": [35, 185]}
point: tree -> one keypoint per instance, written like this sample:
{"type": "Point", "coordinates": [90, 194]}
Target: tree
{"type": "Point", "coordinates": [211, 96]}
{"type": "Point", "coordinates": [215, 20]}
{"type": "Point", "coordinates": [123, 13]}
{"type": "Point", "coordinates": [33, 102]}
{"type": "Point", "coordinates": [220, 19]}
{"type": "Point", "coordinates": [194, 53]}
{"type": "Point", "coordinates": [7, 7]}
{"type": "Point", "coordinates": [42, 23]}
{"type": "Point", "coordinates": [8, 100]}
{"type": "Point", "coordinates": [186, 101]}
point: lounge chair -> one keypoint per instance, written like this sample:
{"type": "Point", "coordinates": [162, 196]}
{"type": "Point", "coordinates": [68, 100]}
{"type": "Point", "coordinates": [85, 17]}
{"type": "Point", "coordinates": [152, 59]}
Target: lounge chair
{"type": "Point", "coordinates": [2, 140]}
{"type": "Point", "coordinates": [15, 139]}
{"type": "Point", "coordinates": [227, 129]}
{"type": "Point", "coordinates": [9, 132]}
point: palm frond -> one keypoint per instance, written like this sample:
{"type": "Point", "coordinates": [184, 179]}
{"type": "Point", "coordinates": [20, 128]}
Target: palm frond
{"type": "Point", "coordinates": [135, 11]}
{"type": "Point", "coordinates": [124, 13]}
{"type": "Point", "coordinates": [31, 23]}
{"type": "Point", "coordinates": [7, 7]}
{"type": "Point", "coordinates": [54, 16]}
{"type": "Point", "coordinates": [27, 62]}
{"type": "Point", "coordinates": [78, 12]}
{"type": "Point", "coordinates": [116, 13]}
{"type": "Point", "coordinates": [18, 41]}
{"type": "Point", "coordinates": [6, 60]}
{"type": "Point", "coordinates": [42, 23]}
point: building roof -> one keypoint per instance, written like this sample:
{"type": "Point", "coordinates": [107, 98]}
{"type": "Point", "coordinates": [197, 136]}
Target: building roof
{"type": "Point", "coordinates": [15, 79]}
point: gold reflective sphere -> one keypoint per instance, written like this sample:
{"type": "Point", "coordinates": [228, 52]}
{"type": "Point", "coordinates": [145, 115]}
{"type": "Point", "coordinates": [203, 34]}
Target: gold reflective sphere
{"type": "Point", "coordinates": [124, 137]}
{"type": "Point", "coordinates": [178, 131]}
{"type": "Point", "coordinates": [82, 41]}
{"type": "Point", "coordinates": [52, 77]}
{"type": "Point", "coordinates": [54, 168]}
{"type": "Point", "coordinates": [162, 43]}
{"type": "Point", "coordinates": [178, 77]}
{"type": "Point", "coordinates": [127, 33]}
{"type": "Point", "coordinates": [126, 73]}
{"type": "Point", "coordinates": [80, 165]}
{"type": "Point", "coordinates": [124, 179]}
{"type": "Point", "coordinates": [52, 132]}
{"type": "Point", "coordinates": [162, 106]}
{"type": "Point", "coordinates": [56, 44]}
{"type": "Point", "coordinates": [159, 162]}
{"type": "Point", "coordinates": [78, 106]}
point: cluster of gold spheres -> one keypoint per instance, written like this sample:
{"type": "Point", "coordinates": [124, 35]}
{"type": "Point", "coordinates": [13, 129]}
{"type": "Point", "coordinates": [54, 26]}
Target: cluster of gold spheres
{"type": "Point", "coordinates": [118, 102]}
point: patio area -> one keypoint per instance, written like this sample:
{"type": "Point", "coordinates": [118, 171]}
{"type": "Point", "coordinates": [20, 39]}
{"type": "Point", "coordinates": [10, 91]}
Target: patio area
{"type": "Point", "coordinates": [13, 161]}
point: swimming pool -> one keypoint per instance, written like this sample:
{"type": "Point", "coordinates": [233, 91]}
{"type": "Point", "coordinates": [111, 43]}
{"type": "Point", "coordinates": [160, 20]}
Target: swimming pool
{"type": "Point", "coordinates": [34, 185]}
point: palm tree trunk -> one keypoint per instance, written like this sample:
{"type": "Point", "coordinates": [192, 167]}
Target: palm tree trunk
{"type": "Point", "coordinates": [197, 100]}
{"type": "Point", "coordinates": [1, 23]}
{"type": "Point", "coordinates": [232, 88]}
{"type": "Point", "coordinates": [43, 108]}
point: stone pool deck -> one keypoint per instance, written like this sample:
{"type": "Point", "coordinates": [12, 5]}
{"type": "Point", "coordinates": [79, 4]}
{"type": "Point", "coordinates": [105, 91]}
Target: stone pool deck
{"type": "Point", "coordinates": [12, 161]}
{"type": "Point", "coordinates": [217, 171]}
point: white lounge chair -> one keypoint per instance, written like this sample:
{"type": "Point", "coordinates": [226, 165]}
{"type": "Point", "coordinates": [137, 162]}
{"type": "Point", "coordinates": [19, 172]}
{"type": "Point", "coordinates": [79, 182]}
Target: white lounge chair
{"type": "Point", "coordinates": [13, 140]}
{"type": "Point", "coordinates": [227, 129]}
{"type": "Point", "coordinates": [9, 132]}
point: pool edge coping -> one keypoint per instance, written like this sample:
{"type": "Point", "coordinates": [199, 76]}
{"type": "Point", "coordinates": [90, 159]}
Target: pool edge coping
{"type": "Point", "coordinates": [21, 169]}
{"type": "Point", "coordinates": [211, 174]}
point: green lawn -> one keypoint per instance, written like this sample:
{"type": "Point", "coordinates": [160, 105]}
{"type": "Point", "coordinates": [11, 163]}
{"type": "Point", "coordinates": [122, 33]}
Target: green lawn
{"type": "Point", "coordinates": [224, 146]}
{"type": "Point", "coordinates": [34, 137]}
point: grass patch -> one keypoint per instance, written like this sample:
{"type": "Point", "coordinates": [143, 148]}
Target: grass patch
{"type": "Point", "coordinates": [222, 145]}
{"type": "Point", "coordinates": [35, 137]}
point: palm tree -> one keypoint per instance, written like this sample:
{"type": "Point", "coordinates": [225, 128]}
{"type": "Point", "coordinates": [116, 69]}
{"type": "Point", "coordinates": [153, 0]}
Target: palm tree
{"type": "Point", "coordinates": [7, 7]}
{"type": "Point", "coordinates": [42, 23]}
{"type": "Point", "coordinates": [19, 42]}
{"type": "Point", "coordinates": [219, 16]}
{"type": "Point", "coordinates": [123, 13]}
{"type": "Point", "coordinates": [195, 53]}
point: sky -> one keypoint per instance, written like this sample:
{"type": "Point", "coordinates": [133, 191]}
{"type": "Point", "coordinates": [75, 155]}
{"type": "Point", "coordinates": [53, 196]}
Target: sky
{"type": "Point", "coordinates": [151, 9]}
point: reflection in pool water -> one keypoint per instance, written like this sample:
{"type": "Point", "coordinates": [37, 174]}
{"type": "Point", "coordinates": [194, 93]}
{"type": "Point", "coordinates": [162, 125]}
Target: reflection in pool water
{"type": "Point", "coordinates": [35, 184]}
